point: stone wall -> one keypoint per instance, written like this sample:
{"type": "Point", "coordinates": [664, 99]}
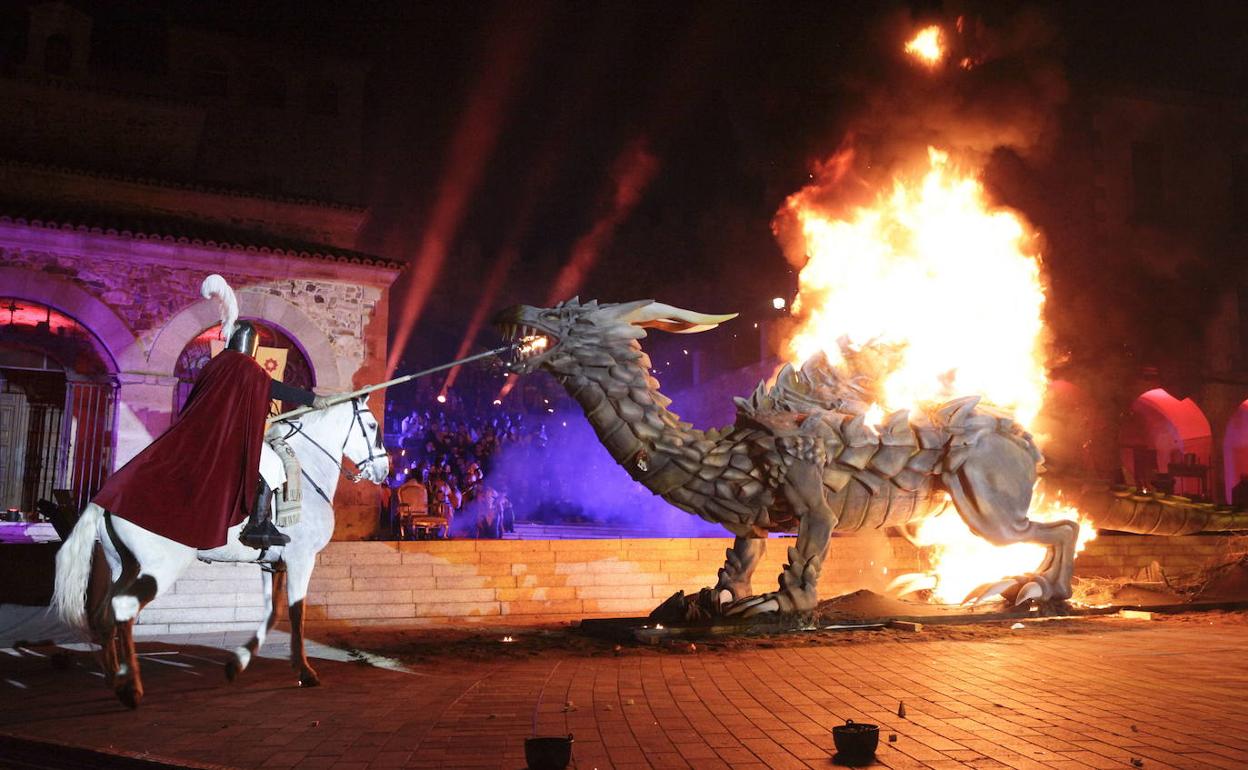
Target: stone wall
{"type": "Point", "coordinates": [147, 295]}
{"type": "Point", "coordinates": [520, 582]}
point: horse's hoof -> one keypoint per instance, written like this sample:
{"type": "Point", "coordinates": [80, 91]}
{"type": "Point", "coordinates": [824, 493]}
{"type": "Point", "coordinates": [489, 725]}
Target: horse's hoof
{"type": "Point", "coordinates": [232, 669]}
{"type": "Point", "coordinates": [309, 679]}
{"type": "Point", "coordinates": [130, 696]}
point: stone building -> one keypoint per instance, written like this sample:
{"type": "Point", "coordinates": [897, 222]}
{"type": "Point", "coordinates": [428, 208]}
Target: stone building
{"type": "Point", "coordinates": [1153, 193]}
{"type": "Point", "coordinates": [123, 188]}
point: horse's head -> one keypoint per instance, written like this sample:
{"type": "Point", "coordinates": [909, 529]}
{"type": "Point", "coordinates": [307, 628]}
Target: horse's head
{"type": "Point", "coordinates": [363, 445]}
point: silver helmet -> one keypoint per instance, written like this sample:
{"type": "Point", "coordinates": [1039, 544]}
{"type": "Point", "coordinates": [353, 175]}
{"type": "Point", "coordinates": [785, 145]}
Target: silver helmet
{"type": "Point", "coordinates": [244, 339]}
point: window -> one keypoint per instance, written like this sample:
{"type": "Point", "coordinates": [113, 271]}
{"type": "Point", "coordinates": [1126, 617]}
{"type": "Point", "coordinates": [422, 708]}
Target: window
{"type": "Point", "coordinates": [266, 88]}
{"type": "Point", "coordinates": [1147, 182]}
{"type": "Point", "coordinates": [209, 78]}
{"type": "Point", "coordinates": [58, 55]}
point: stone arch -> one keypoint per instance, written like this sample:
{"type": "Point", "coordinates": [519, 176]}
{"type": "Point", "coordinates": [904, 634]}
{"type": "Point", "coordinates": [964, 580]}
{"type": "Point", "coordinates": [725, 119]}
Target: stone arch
{"type": "Point", "coordinates": [122, 346]}
{"type": "Point", "coordinates": [274, 310]}
{"type": "Point", "coordinates": [1235, 456]}
{"type": "Point", "coordinates": [1166, 442]}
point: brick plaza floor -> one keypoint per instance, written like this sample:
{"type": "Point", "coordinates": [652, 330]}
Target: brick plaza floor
{"type": "Point", "coordinates": [1100, 695]}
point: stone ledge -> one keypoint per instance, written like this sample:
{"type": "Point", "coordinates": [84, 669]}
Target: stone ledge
{"type": "Point", "coordinates": [538, 582]}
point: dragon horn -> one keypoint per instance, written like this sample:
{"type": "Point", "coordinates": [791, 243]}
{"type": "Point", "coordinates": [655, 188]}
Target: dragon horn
{"type": "Point", "coordinates": [674, 319]}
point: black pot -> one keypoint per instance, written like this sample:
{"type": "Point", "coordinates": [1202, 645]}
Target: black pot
{"type": "Point", "coordinates": [856, 741]}
{"type": "Point", "coordinates": [548, 753]}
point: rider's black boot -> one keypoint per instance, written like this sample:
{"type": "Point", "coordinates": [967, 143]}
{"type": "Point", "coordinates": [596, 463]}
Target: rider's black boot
{"type": "Point", "coordinates": [260, 532]}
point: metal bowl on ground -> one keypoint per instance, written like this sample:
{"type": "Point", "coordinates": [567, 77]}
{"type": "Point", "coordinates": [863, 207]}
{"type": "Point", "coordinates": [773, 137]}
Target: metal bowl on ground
{"type": "Point", "coordinates": [548, 753]}
{"type": "Point", "coordinates": [856, 741]}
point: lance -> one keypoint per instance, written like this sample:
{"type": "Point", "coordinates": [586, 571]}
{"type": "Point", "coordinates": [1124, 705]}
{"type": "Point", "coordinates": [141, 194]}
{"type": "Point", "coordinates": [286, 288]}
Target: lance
{"type": "Point", "coordinates": [341, 397]}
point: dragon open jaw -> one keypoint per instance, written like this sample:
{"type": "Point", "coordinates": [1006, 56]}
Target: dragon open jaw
{"type": "Point", "coordinates": [529, 345]}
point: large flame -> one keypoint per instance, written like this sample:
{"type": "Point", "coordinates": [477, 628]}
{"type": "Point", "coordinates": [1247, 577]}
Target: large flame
{"type": "Point", "coordinates": [962, 561]}
{"type": "Point", "coordinates": [955, 284]}
{"type": "Point", "coordinates": [930, 266]}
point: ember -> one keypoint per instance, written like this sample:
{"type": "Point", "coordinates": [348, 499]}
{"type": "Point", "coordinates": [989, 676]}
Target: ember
{"type": "Point", "coordinates": [927, 46]}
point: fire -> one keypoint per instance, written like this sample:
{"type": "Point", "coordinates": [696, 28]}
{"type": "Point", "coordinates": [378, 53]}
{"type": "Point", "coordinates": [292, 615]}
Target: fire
{"type": "Point", "coordinates": [934, 268]}
{"type": "Point", "coordinates": [534, 344]}
{"type": "Point", "coordinates": [927, 46]}
{"type": "Point", "coordinates": [962, 561]}
{"type": "Point", "coordinates": [931, 268]}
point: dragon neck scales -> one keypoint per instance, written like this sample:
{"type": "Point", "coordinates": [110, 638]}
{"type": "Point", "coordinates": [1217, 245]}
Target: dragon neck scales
{"type": "Point", "coordinates": [630, 416]}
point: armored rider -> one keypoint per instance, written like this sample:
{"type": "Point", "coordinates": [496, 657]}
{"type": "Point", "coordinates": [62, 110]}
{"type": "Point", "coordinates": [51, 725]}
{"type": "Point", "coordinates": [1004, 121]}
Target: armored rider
{"type": "Point", "coordinates": [202, 477]}
{"type": "Point", "coordinates": [260, 531]}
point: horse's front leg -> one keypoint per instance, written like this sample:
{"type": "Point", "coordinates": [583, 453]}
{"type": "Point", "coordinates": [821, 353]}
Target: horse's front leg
{"type": "Point", "coordinates": [241, 657]}
{"type": "Point", "coordinates": [298, 575]}
{"type": "Point", "coordinates": [128, 684]}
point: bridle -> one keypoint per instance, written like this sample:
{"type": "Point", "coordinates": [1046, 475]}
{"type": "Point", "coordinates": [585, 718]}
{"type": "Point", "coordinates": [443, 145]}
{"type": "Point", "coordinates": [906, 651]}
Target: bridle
{"type": "Point", "coordinates": [295, 427]}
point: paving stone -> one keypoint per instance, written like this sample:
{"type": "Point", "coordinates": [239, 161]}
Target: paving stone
{"type": "Point", "coordinates": [1088, 700]}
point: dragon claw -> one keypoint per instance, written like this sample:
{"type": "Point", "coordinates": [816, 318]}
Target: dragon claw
{"type": "Point", "coordinates": [988, 591]}
{"type": "Point", "coordinates": [752, 605]}
{"type": "Point", "coordinates": [771, 605]}
{"type": "Point", "coordinates": [1032, 590]}
{"type": "Point", "coordinates": [910, 583]}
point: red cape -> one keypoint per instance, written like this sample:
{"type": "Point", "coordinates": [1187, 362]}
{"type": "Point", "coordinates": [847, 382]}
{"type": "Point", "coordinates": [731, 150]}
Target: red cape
{"type": "Point", "coordinates": [198, 479]}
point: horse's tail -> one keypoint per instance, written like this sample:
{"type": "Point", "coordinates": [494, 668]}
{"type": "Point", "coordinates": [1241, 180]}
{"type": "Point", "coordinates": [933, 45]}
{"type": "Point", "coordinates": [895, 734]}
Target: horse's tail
{"type": "Point", "coordinates": [73, 568]}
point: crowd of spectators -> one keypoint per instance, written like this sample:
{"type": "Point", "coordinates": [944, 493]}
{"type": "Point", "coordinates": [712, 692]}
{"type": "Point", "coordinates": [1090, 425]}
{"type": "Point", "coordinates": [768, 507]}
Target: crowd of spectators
{"type": "Point", "coordinates": [443, 450]}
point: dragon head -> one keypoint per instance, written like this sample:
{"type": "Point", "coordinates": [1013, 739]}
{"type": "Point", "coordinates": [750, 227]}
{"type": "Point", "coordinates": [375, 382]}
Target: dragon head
{"type": "Point", "coordinates": [562, 338]}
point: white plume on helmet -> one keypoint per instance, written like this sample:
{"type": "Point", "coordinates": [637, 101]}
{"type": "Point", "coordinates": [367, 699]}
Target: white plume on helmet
{"type": "Point", "coordinates": [215, 287]}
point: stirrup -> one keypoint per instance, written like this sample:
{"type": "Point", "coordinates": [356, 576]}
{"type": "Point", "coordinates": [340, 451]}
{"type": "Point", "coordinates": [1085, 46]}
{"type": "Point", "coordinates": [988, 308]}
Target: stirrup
{"type": "Point", "coordinates": [263, 535]}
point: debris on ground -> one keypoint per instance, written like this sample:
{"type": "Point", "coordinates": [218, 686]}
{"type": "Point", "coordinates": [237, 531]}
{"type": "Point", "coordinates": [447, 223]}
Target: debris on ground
{"type": "Point", "coordinates": [418, 647]}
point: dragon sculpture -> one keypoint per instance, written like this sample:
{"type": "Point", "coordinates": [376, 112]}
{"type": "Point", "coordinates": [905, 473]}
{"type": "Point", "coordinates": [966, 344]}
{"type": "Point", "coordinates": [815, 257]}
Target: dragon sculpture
{"type": "Point", "coordinates": [801, 455]}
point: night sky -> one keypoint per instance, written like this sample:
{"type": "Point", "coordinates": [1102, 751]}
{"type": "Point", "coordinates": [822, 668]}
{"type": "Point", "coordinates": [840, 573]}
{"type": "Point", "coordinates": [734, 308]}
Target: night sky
{"type": "Point", "coordinates": [681, 126]}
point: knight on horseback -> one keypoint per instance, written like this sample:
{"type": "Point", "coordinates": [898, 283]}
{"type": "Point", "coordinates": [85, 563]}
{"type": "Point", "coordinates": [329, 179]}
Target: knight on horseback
{"type": "Point", "coordinates": [214, 457]}
{"type": "Point", "coordinates": [260, 531]}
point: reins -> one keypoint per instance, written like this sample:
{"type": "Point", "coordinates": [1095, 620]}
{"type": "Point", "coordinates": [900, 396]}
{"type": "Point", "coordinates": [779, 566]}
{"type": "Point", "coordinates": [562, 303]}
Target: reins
{"type": "Point", "coordinates": [295, 428]}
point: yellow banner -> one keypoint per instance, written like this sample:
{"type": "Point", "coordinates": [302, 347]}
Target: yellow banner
{"type": "Point", "coordinates": [272, 360]}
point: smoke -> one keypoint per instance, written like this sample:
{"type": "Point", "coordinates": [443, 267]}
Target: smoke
{"type": "Point", "coordinates": [999, 85]}
{"type": "Point", "coordinates": [572, 479]}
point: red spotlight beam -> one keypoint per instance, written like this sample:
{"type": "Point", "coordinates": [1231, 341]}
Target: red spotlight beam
{"type": "Point", "coordinates": [498, 273]}
{"type": "Point", "coordinates": [632, 172]}
{"type": "Point", "coordinates": [474, 141]}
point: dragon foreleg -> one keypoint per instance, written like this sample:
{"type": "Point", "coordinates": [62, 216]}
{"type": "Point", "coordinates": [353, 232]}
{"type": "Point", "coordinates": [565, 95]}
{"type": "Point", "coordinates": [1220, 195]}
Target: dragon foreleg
{"type": "Point", "coordinates": [739, 563]}
{"type": "Point", "coordinates": [799, 580]}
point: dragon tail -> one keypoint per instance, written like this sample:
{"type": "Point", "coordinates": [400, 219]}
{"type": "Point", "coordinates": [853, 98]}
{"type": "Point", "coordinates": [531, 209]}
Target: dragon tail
{"type": "Point", "coordinates": [1128, 510]}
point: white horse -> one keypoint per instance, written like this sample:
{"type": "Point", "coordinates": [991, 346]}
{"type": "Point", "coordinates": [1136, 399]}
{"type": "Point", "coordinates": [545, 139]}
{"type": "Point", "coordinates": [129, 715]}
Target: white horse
{"type": "Point", "coordinates": [143, 565]}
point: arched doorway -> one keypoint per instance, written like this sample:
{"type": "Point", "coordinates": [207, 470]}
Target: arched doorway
{"type": "Point", "coordinates": [1235, 457]}
{"type": "Point", "coordinates": [297, 371]}
{"type": "Point", "coordinates": [57, 406]}
{"type": "Point", "coordinates": [1166, 444]}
